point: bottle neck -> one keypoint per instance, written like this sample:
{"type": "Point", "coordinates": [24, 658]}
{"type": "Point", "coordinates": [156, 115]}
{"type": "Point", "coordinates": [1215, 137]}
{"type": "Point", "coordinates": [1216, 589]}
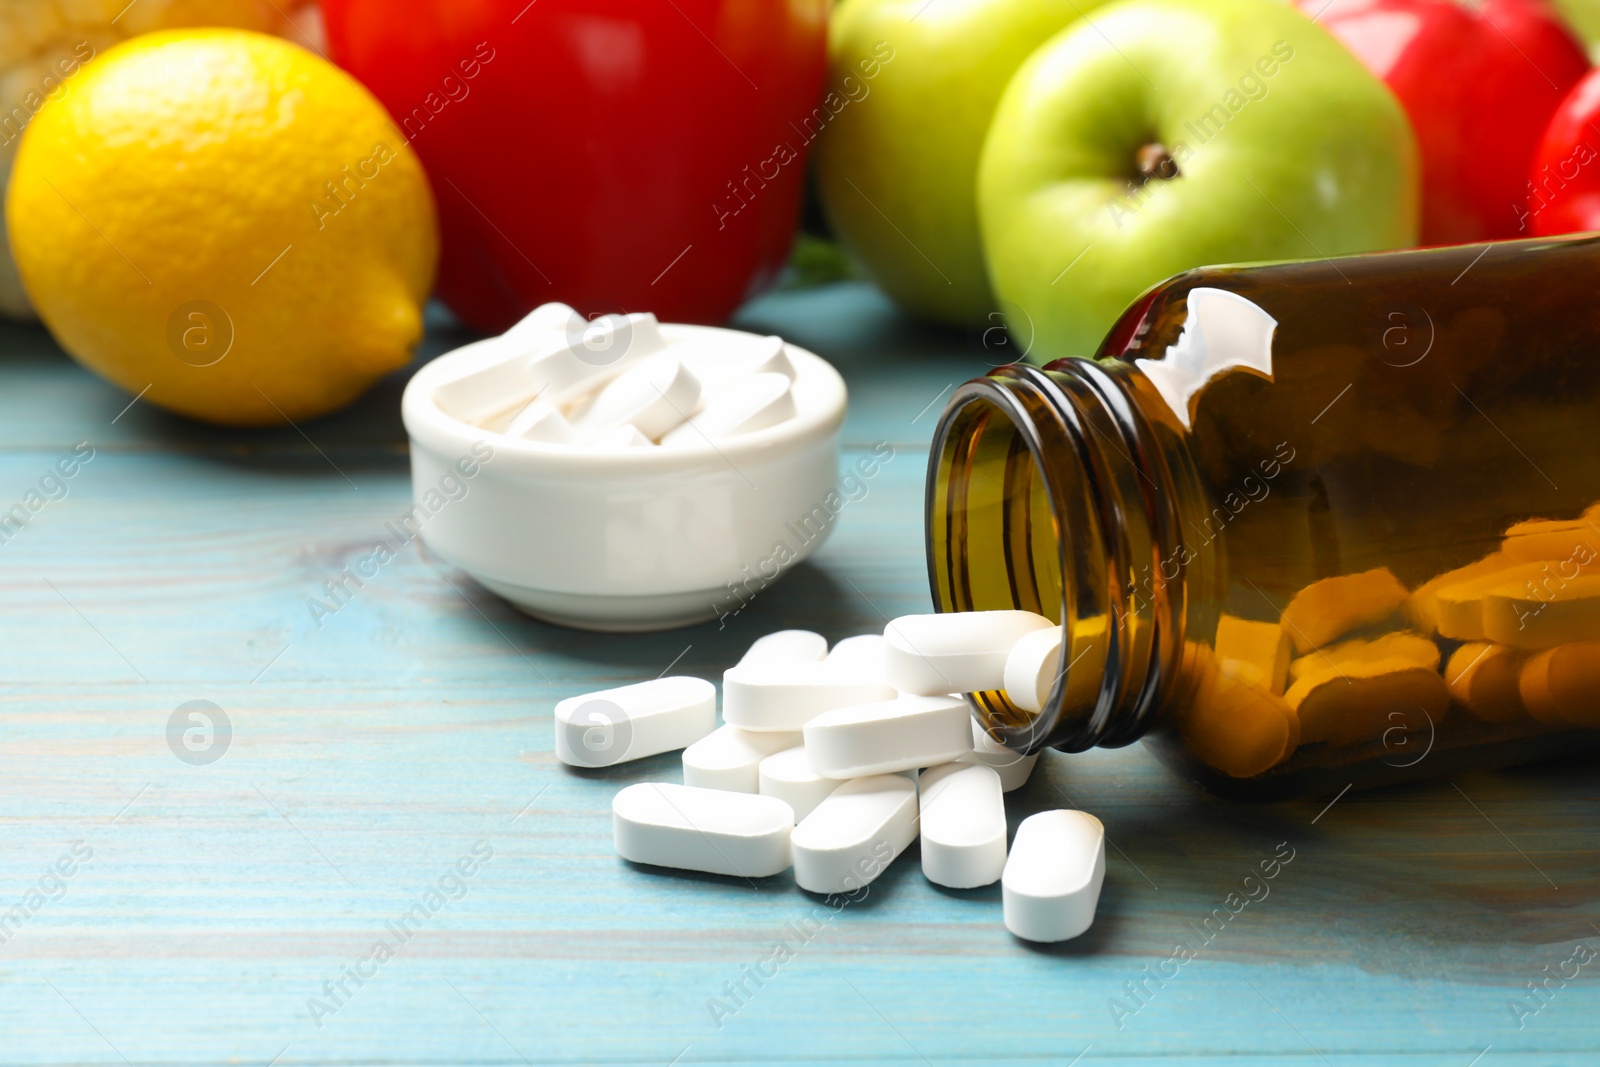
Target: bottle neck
{"type": "Point", "coordinates": [1059, 491]}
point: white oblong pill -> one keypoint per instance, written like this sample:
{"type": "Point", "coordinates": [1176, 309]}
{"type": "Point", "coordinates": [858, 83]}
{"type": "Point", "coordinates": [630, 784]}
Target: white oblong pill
{"type": "Point", "coordinates": [963, 825]}
{"type": "Point", "coordinates": [594, 352]}
{"type": "Point", "coordinates": [863, 654]}
{"type": "Point", "coordinates": [1052, 879]}
{"type": "Point", "coordinates": [770, 356]}
{"type": "Point", "coordinates": [752, 404]}
{"type": "Point", "coordinates": [623, 437]}
{"type": "Point", "coordinates": [785, 696]}
{"type": "Point", "coordinates": [954, 652]}
{"type": "Point", "coordinates": [786, 646]}
{"type": "Point", "coordinates": [616, 341]}
{"type": "Point", "coordinates": [853, 835]}
{"type": "Point", "coordinates": [891, 735]}
{"type": "Point", "coordinates": [537, 359]}
{"type": "Point", "coordinates": [718, 364]}
{"type": "Point", "coordinates": [558, 367]}
{"type": "Point", "coordinates": [729, 758]}
{"type": "Point", "coordinates": [553, 321]}
{"type": "Point", "coordinates": [787, 776]}
{"type": "Point", "coordinates": [1013, 767]}
{"type": "Point", "coordinates": [706, 830]}
{"type": "Point", "coordinates": [633, 721]}
{"type": "Point", "coordinates": [654, 395]}
{"type": "Point", "coordinates": [540, 421]}
{"type": "Point", "coordinates": [1032, 667]}
{"type": "Point", "coordinates": [491, 376]}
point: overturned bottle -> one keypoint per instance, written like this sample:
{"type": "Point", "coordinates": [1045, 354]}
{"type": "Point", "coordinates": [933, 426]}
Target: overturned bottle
{"type": "Point", "coordinates": [1304, 525]}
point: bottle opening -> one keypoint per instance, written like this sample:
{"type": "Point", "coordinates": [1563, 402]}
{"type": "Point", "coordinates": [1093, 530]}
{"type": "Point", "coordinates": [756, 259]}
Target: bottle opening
{"type": "Point", "coordinates": [1034, 502]}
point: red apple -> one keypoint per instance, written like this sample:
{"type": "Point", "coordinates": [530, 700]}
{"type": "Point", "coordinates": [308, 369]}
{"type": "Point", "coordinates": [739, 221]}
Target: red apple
{"type": "Point", "coordinates": [1479, 83]}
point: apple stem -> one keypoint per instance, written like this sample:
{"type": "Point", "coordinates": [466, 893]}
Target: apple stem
{"type": "Point", "coordinates": [1155, 162]}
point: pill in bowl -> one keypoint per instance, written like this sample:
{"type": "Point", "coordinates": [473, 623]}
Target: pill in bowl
{"type": "Point", "coordinates": [624, 474]}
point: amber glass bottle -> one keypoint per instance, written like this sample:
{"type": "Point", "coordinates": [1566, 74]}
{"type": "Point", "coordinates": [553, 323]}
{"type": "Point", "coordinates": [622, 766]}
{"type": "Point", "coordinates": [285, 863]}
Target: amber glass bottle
{"type": "Point", "coordinates": [1306, 525]}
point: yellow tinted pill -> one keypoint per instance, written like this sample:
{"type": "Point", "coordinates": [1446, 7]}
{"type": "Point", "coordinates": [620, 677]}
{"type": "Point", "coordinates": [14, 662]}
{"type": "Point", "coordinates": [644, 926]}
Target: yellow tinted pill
{"type": "Point", "coordinates": [1533, 686]}
{"type": "Point", "coordinates": [1460, 604]}
{"type": "Point", "coordinates": [1333, 607]}
{"type": "Point", "coordinates": [1362, 699]}
{"type": "Point", "coordinates": [1409, 647]}
{"type": "Point", "coordinates": [1484, 678]}
{"type": "Point", "coordinates": [1253, 651]}
{"type": "Point", "coordinates": [1238, 728]}
{"type": "Point", "coordinates": [1561, 685]}
{"type": "Point", "coordinates": [1423, 607]}
{"type": "Point", "coordinates": [1550, 539]}
{"type": "Point", "coordinates": [1544, 611]}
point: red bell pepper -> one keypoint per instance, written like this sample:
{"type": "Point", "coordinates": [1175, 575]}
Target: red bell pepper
{"type": "Point", "coordinates": [1479, 82]}
{"type": "Point", "coordinates": [1564, 185]}
{"type": "Point", "coordinates": [617, 155]}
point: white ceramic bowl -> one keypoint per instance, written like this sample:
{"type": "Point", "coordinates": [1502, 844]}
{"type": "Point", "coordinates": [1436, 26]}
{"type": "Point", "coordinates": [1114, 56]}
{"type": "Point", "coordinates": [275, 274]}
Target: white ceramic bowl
{"type": "Point", "coordinates": [626, 540]}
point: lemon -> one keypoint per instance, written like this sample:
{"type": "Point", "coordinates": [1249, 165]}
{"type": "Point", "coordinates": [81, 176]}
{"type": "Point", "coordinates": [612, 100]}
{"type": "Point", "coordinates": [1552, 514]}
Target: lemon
{"type": "Point", "coordinates": [225, 223]}
{"type": "Point", "coordinates": [45, 43]}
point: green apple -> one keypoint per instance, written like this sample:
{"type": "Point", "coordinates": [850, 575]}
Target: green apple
{"type": "Point", "coordinates": [1172, 134]}
{"type": "Point", "coordinates": [1583, 18]}
{"type": "Point", "coordinates": [916, 83]}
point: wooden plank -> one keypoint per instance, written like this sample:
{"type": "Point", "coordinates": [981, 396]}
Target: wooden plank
{"type": "Point", "coordinates": [370, 754]}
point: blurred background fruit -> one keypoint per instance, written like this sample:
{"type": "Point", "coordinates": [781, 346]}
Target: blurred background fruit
{"type": "Point", "coordinates": [1168, 134]}
{"type": "Point", "coordinates": [45, 43]}
{"type": "Point", "coordinates": [898, 167]}
{"type": "Point", "coordinates": [227, 221]}
{"type": "Point", "coordinates": [1583, 19]}
{"type": "Point", "coordinates": [615, 155]}
{"type": "Point", "coordinates": [1479, 82]}
{"type": "Point", "coordinates": [1564, 178]}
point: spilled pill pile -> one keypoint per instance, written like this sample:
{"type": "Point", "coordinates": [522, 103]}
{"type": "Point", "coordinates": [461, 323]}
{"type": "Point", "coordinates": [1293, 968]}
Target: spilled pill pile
{"type": "Point", "coordinates": [832, 762]}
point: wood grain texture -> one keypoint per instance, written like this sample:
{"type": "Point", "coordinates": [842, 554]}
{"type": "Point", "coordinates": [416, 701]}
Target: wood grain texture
{"type": "Point", "coordinates": [370, 753]}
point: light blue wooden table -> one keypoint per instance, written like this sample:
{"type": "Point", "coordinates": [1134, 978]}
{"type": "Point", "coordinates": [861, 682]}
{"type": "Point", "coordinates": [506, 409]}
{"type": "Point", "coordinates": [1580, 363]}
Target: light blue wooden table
{"type": "Point", "coordinates": [208, 905]}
